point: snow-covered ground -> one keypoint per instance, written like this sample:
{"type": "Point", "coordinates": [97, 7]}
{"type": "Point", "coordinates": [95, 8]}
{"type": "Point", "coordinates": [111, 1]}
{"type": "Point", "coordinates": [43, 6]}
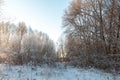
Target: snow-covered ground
{"type": "Point", "coordinates": [8, 72]}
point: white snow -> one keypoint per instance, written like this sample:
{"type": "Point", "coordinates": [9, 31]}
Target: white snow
{"type": "Point", "coordinates": [8, 72]}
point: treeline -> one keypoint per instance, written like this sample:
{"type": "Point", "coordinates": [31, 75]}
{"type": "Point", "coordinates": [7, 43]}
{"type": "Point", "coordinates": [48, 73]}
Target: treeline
{"type": "Point", "coordinates": [22, 45]}
{"type": "Point", "coordinates": [92, 29]}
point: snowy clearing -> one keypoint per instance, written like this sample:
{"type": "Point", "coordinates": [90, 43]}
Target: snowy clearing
{"type": "Point", "coordinates": [8, 72]}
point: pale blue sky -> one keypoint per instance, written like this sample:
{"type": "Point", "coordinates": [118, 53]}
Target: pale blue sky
{"type": "Point", "coordinates": [42, 15]}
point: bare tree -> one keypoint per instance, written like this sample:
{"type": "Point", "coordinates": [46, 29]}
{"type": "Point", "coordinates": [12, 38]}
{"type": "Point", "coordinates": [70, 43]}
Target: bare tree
{"type": "Point", "coordinates": [94, 24]}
